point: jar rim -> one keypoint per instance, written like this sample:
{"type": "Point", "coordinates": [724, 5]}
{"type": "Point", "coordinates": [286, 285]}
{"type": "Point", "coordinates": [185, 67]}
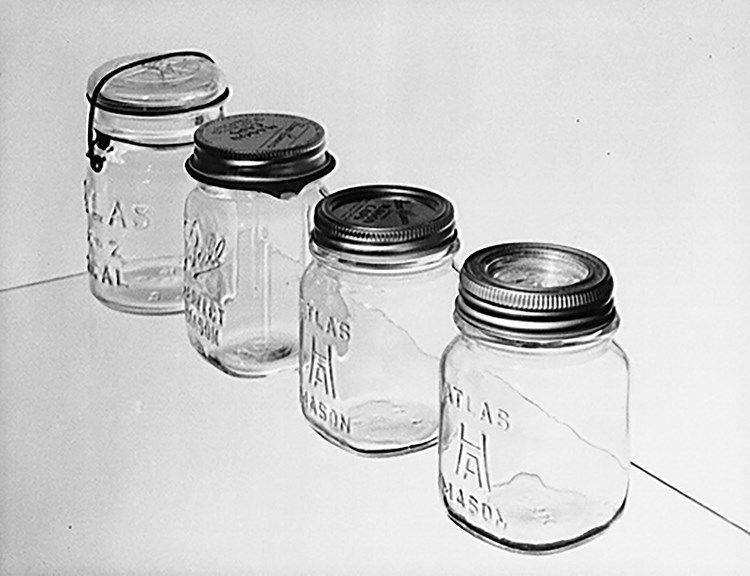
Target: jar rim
{"type": "Point", "coordinates": [385, 222]}
{"type": "Point", "coordinates": [267, 151]}
{"type": "Point", "coordinates": [536, 290]}
{"type": "Point", "coordinates": [153, 84]}
{"type": "Point", "coordinates": [377, 264]}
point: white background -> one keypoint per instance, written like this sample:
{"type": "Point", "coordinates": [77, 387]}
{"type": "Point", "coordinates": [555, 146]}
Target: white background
{"type": "Point", "coordinates": [619, 127]}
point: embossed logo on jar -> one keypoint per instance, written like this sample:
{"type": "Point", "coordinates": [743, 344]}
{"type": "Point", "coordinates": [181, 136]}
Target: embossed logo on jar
{"type": "Point", "coordinates": [243, 128]}
{"type": "Point", "coordinates": [134, 216]}
{"type": "Point", "coordinates": [325, 337]}
{"type": "Point", "coordinates": [472, 458]}
{"type": "Point", "coordinates": [479, 409]}
{"type": "Point", "coordinates": [371, 213]}
{"type": "Point", "coordinates": [471, 504]}
{"type": "Point", "coordinates": [162, 71]}
{"type": "Point", "coordinates": [203, 253]}
{"type": "Point", "coordinates": [203, 314]}
{"type": "Point", "coordinates": [323, 412]}
{"type": "Point", "coordinates": [320, 373]}
{"type": "Point", "coordinates": [472, 476]}
{"type": "Point", "coordinates": [385, 213]}
{"type": "Point", "coordinates": [327, 324]}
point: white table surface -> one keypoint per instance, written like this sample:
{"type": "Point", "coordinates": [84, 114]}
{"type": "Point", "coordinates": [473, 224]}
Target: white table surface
{"type": "Point", "coordinates": [125, 453]}
{"type": "Point", "coordinates": [619, 127]}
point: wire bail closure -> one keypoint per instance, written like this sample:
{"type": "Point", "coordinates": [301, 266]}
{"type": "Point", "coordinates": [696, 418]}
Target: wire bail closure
{"type": "Point", "coordinates": [95, 138]}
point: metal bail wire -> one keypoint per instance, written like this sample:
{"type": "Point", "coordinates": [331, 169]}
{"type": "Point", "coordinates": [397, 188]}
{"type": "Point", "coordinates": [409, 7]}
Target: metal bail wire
{"type": "Point", "coordinates": [93, 137]}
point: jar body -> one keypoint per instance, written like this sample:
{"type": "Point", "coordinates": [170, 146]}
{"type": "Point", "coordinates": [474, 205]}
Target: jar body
{"type": "Point", "coordinates": [534, 450]}
{"type": "Point", "coordinates": [245, 252]}
{"type": "Point", "coordinates": [134, 210]}
{"type": "Point", "coordinates": [371, 343]}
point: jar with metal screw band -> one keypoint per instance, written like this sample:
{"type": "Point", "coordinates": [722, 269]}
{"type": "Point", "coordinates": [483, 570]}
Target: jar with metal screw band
{"type": "Point", "coordinates": [143, 111]}
{"type": "Point", "coordinates": [533, 450]}
{"type": "Point", "coordinates": [375, 317]}
{"type": "Point", "coordinates": [246, 229]}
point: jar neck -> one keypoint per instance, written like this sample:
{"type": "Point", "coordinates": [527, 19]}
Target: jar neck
{"type": "Point", "coordinates": [438, 261]}
{"type": "Point", "coordinates": [509, 341]}
{"type": "Point", "coordinates": [315, 189]}
{"type": "Point", "coordinates": [156, 131]}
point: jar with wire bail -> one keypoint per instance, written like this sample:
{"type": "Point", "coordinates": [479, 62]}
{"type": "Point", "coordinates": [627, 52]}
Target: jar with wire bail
{"type": "Point", "coordinates": [143, 110]}
{"type": "Point", "coordinates": [246, 229]}
{"type": "Point", "coordinates": [533, 451]}
{"type": "Point", "coordinates": [375, 316]}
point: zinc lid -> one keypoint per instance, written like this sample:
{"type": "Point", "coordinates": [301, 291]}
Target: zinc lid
{"type": "Point", "coordinates": [385, 220]}
{"type": "Point", "coordinates": [156, 84]}
{"type": "Point", "coordinates": [536, 289]}
{"type": "Point", "coordinates": [263, 151]}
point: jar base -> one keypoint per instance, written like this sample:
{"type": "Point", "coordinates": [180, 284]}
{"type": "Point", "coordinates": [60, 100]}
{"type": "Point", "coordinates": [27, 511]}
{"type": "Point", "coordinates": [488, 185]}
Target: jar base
{"type": "Point", "coordinates": [529, 548]}
{"type": "Point", "coordinates": [253, 358]}
{"type": "Point", "coordinates": [154, 288]}
{"type": "Point", "coordinates": [137, 307]}
{"type": "Point", "coordinates": [373, 452]}
{"type": "Point", "coordinates": [384, 425]}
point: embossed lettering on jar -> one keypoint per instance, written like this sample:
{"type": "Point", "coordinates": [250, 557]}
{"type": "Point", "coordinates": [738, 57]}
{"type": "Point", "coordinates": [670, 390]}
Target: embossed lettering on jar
{"type": "Point", "coordinates": [533, 450]}
{"type": "Point", "coordinates": [144, 110]}
{"type": "Point", "coordinates": [246, 229]}
{"type": "Point", "coordinates": [375, 316]}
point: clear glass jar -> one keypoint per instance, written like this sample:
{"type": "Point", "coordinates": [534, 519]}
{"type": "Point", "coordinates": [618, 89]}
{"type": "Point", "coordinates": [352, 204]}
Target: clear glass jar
{"type": "Point", "coordinates": [143, 111]}
{"type": "Point", "coordinates": [375, 317]}
{"type": "Point", "coordinates": [246, 230]}
{"type": "Point", "coordinates": [534, 450]}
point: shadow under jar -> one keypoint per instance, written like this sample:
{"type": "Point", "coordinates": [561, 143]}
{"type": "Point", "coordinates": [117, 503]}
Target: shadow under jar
{"type": "Point", "coordinates": [375, 316]}
{"type": "Point", "coordinates": [143, 112]}
{"type": "Point", "coordinates": [534, 451]}
{"type": "Point", "coordinates": [246, 231]}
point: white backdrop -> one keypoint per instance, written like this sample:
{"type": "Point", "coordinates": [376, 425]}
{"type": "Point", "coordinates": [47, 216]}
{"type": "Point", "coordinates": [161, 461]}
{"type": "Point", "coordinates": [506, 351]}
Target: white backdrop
{"type": "Point", "coordinates": [620, 127]}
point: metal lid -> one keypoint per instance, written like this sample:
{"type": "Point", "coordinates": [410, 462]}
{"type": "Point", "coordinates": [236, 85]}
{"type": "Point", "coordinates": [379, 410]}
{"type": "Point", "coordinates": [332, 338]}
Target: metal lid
{"type": "Point", "coordinates": [272, 153]}
{"type": "Point", "coordinates": [385, 221]}
{"type": "Point", "coordinates": [157, 84]}
{"type": "Point", "coordinates": [536, 289]}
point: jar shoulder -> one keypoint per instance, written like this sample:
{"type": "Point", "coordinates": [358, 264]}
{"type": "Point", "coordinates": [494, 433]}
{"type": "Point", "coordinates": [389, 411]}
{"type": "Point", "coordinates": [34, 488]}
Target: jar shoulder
{"type": "Point", "coordinates": [465, 352]}
{"type": "Point", "coordinates": [310, 195]}
{"type": "Point", "coordinates": [359, 277]}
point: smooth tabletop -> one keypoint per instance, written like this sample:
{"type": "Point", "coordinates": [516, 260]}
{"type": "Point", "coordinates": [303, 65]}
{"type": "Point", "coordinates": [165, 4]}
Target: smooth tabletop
{"type": "Point", "coordinates": [125, 453]}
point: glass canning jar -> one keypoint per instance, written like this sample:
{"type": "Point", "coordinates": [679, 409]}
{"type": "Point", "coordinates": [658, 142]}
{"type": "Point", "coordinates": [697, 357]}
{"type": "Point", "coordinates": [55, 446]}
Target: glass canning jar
{"type": "Point", "coordinates": [533, 451]}
{"type": "Point", "coordinates": [375, 317]}
{"type": "Point", "coordinates": [143, 111]}
{"type": "Point", "coordinates": [246, 231]}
